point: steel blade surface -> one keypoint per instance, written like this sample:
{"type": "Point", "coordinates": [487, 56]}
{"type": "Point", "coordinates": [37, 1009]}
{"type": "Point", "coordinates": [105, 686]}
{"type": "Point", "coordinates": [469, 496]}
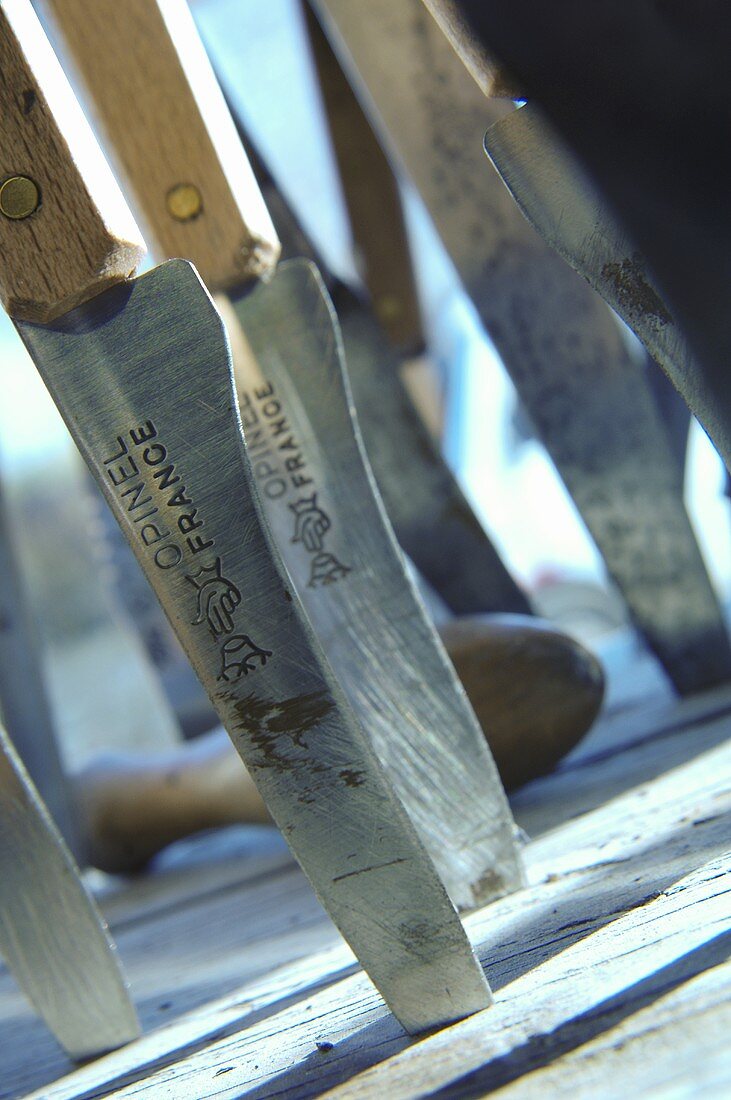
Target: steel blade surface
{"type": "Point", "coordinates": [558, 198]}
{"type": "Point", "coordinates": [324, 509]}
{"type": "Point", "coordinates": [434, 522]}
{"type": "Point", "coordinates": [143, 377]}
{"type": "Point", "coordinates": [25, 707]}
{"type": "Point", "coordinates": [638, 117]}
{"type": "Point", "coordinates": [51, 934]}
{"type": "Point", "coordinates": [590, 405]}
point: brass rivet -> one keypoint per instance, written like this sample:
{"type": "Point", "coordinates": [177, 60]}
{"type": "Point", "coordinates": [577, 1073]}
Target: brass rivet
{"type": "Point", "coordinates": [389, 307]}
{"type": "Point", "coordinates": [184, 202]}
{"type": "Point", "coordinates": [19, 197]}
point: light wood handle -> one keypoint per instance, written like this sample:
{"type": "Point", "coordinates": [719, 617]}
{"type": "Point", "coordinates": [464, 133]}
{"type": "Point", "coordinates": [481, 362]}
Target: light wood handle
{"type": "Point", "coordinates": [65, 232]}
{"type": "Point", "coordinates": [132, 806]}
{"type": "Point", "coordinates": [372, 198]}
{"type": "Point", "coordinates": [157, 103]}
{"type": "Point", "coordinates": [534, 690]}
{"type": "Point", "coordinates": [487, 73]}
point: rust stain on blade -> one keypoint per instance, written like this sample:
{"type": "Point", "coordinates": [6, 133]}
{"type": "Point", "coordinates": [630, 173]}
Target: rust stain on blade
{"type": "Point", "coordinates": [267, 722]}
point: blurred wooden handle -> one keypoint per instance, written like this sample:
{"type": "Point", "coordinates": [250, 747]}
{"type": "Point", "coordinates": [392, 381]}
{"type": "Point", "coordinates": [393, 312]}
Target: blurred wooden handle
{"type": "Point", "coordinates": [488, 74]}
{"type": "Point", "coordinates": [372, 197]}
{"type": "Point", "coordinates": [65, 232]}
{"type": "Point", "coordinates": [155, 97]}
{"type": "Point", "coordinates": [535, 691]}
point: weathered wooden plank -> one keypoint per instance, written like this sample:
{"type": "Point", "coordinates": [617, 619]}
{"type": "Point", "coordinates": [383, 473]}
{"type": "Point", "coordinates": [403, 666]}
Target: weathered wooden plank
{"type": "Point", "coordinates": [675, 1046]}
{"type": "Point", "coordinates": [589, 781]}
{"type": "Point", "coordinates": [226, 859]}
{"type": "Point", "coordinates": [179, 956]}
{"type": "Point", "coordinates": [606, 911]}
{"type": "Point", "coordinates": [630, 962]}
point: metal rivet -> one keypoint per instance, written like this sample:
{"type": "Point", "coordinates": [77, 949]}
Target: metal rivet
{"type": "Point", "coordinates": [389, 307]}
{"type": "Point", "coordinates": [19, 197]}
{"type": "Point", "coordinates": [184, 202]}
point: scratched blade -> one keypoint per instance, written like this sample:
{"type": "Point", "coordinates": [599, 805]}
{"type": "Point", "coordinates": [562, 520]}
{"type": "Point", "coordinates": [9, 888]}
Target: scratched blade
{"type": "Point", "coordinates": [323, 507]}
{"type": "Point", "coordinates": [142, 375]}
{"type": "Point", "coordinates": [590, 405]}
{"type": "Point", "coordinates": [51, 934]}
{"type": "Point", "coordinates": [558, 198]}
{"type": "Point", "coordinates": [433, 521]}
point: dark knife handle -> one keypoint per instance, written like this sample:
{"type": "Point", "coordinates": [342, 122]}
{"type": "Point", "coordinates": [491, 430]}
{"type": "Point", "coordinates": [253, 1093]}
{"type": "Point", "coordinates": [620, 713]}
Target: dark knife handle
{"type": "Point", "coordinates": [65, 231]}
{"type": "Point", "coordinates": [158, 104]}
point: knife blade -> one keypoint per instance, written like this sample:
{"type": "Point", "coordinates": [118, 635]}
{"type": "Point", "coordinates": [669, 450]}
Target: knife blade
{"type": "Point", "coordinates": [537, 689]}
{"type": "Point", "coordinates": [51, 934]}
{"type": "Point", "coordinates": [141, 371]}
{"type": "Point", "coordinates": [557, 197]}
{"type": "Point", "coordinates": [638, 117]}
{"type": "Point", "coordinates": [557, 340]}
{"type": "Point", "coordinates": [307, 458]}
{"type": "Point", "coordinates": [433, 520]}
{"type": "Point", "coordinates": [24, 702]}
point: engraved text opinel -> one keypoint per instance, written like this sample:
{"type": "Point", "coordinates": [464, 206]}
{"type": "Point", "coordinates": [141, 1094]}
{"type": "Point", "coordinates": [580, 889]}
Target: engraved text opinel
{"type": "Point", "coordinates": [281, 470]}
{"type": "Point", "coordinates": [169, 525]}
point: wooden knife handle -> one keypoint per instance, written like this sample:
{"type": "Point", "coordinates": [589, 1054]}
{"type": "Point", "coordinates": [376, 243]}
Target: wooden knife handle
{"type": "Point", "coordinates": [372, 198]}
{"type": "Point", "coordinates": [487, 73]}
{"type": "Point", "coordinates": [65, 232]}
{"type": "Point", "coordinates": [157, 103]}
{"type": "Point", "coordinates": [534, 689]}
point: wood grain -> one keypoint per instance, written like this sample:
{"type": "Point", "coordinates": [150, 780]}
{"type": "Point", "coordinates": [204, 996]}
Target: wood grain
{"type": "Point", "coordinates": [226, 231]}
{"type": "Point", "coordinates": [617, 945]}
{"type": "Point", "coordinates": [81, 238]}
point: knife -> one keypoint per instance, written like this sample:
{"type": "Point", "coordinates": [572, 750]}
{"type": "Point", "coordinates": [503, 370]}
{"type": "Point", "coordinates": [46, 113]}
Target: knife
{"type": "Point", "coordinates": [558, 198]}
{"type": "Point", "coordinates": [637, 115]}
{"type": "Point", "coordinates": [433, 520]}
{"type": "Point", "coordinates": [372, 199]}
{"type": "Point", "coordinates": [535, 688]}
{"type": "Point", "coordinates": [491, 77]}
{"type": "Point", "coordinates": [556, 195]}
{"type": "Point", "coordinates": [313, 479]}
{"type": "Point", "coordinates": [24, 702]}
{"type": "Point", "coordinates": [51, 934]}
{"type": "Point", "coordinates": [141, 371]}
{"type": "Point", "coordinates": [558, 341]}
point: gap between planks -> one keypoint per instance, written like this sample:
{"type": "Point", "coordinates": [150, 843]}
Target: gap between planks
{"type": "Point", "coordinates": [606, 914]}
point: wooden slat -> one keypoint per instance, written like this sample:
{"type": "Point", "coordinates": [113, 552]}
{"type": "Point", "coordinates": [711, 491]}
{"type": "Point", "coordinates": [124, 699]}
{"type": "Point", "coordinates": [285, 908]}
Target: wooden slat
{"type": "Point", "coordinates": [624, 908]}
{"type": "Point", "coordinates": [630, 963]}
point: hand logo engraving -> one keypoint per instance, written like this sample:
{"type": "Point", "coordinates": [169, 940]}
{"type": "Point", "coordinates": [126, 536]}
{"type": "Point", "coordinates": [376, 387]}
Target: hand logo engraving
{"type": "Point", "coordinates": [217, 599]}
{"type": "Point", "coordinates": [310, 524]}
